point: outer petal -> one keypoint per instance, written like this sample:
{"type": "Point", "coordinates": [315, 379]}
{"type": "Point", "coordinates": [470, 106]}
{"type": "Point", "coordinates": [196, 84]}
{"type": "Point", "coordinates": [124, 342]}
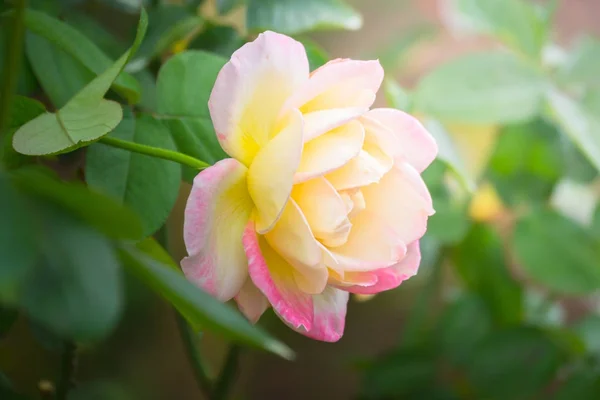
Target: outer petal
{"type": "Point", "coordinates": [418, 147]}
{"type": "Point", "coordinates": [391, 277]}
{"type": "Point", "coordinates": [330, 151]}
{"type": "Point", "coordinates": [339, 84]}
{"type": "Point", "coordinates": [402, 200]}
{"type": "Point", "coordinates": [324, 209]}
{"type": "Point", "coordinates": [251, 302]}
{"type": "Point", "coordinates": [216, 213]}
{"type": "Point", "coordinates": [271, 174]}
{"type": "Point", "coordinates": [330, 315]}
{"type": "Point", "coordinates": [274, 277]}
{"type": "Point", "coordinates": [293, 240]}
{"type": "Point", "coordinates": [251, 89]}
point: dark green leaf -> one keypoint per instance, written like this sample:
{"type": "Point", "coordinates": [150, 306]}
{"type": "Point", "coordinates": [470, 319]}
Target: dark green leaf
{"type": "Point", "coordinates": [86, 117]}
{"type": "Point", "coordinates": [99, 391]}
{"type": "Point", "coordinates": [101, 212]}
{"type": "Point", "coordinates": [462, 326]}
{"type": "Point", "coordinates": [183, 88]}
{"type": "Point", "coordinates": [588, 329]}
{"type": "Point", "coordinates": [595, 229]}
{"type": "Point", "coordinates": [577, 167]}
{"type": "Point", "coordinates": [219, 39]}
{"type": "Point", "coordinates": [298, 16]}
{"type": "Point", "coordinates": [145, 184]}
{"type": "Point", "coordinates": [6, 390]}
{"type": "Point", "coordinates": [526, 163]}
{"type": "Point", "coordinates": [88, 26]}
{"type": "Point", "coordinates": [557, 252]}
{"type": "Point", "coordinates": [317, 56]}
{"type": "Point", "coordinates": [480, 262]}
{"type": "Point", "coordinates": [75, 289]}
{"type": "Point", "coordinates": [45, 337]}
{"type": "Point", "coordinates": [486, 88]}
{"type": "Point", "coordinates": [8, 316]}
{"type": "Point", "coordinates": [542, 311]}
{"type": "Point", "coordinates": [226, 6]}
{"type": "Point", "coordinates": [582, 384]}
{"type": "Point", "coordinates": [199, 308]}
{"type": "Point", "coordinates": [82, 49]}
{"type": "Point", "coordinates": [513, 364]}
{"type": "Point", "coordinates": [17, 238]}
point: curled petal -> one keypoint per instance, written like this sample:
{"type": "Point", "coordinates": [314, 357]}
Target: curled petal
{"type": "Point", "coordinates": [339, 84]}
{"type": "Point", "coordinates": [417, 146]}
{"type": "Point", "coordinates": [329, 315]}
{"type": "Point", "coordinates": [274, 277]}
{"type": "Point", "coordinates": [271, 174]}
{"type": "Point", "coordinates": [251, 302]}
{"type": "Point", "coordinates": [251, 89]}
{"type": "Point", "coordinates": [390, 277]}
{"type": "Point", "coordinates": [330, 151]}
{"type": "Point", "coordinates": [362, 170]}
{"type": "Point", "coordinates": [320, 122]}
{"type": "Point", "coordinates": [216, 213]}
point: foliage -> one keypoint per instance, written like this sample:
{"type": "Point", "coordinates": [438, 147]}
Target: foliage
{"type": "Point", "coordinates": [78, 214]}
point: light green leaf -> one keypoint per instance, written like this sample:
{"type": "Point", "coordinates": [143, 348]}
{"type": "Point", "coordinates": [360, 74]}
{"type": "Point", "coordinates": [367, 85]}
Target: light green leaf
{"type": "Point", "coordinates": [558, 253]}
{"type": "Point", "coordinates": [396, 96]}
{"type": "Point", "coordinates": [103, 213]}
{"type": "Point", "coordinates": [297, 16]}
{"type": "Point", "coordinates": [448, 153]}
{"type": "Point", "coordinates": [317, 56]}
{"type": "Point", "coordinates": [583, 64]}
{"type": "Point", "coordinates": [183, 88]}
{"type": "Point", "coordinates": [85, 118]}
{"type": "Point", "coordinates": [581, 125]}
{"type": "Point", "coordinates": [481, 88]}
{"type": "Point", "coordinates": [145, 184]}
{"type": "Point", "coordinates": [72, 42]}
{"type": "Point", "coordinates": [23, 109]}
{"type": "Point", "coordinates": [517, 23]}
{"type": "Point", "coordinates": [199, 308]}
{"type": "Point", "coordinates": [75, 289]}
{"type": "Point", "coordinates": [480, 262]}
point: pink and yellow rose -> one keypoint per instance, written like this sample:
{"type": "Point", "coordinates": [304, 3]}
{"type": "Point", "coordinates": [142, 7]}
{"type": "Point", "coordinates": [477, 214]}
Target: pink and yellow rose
{"type": "Point", "coordinates": [321, 196]}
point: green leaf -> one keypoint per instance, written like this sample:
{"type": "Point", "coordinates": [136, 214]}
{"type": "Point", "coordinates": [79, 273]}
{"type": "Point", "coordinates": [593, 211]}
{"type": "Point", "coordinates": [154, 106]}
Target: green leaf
{"type": "Point", "coordinates": [85, 118]}
{"type": "Point", "coordinates": [297, 16]}
{"type": "Point", "coordinates": [23, 110]}
{"type": "Point", "coordinates": [145, 184]}
{"type": "Point", "coordinates": [101, 212]}
{"type": "Point", "coordinates": [462, 326]}
{"type": "Point", "coordinates": [317, 56]}
{"type": "Point", "coordinates": [199, 308]}
{"type": "Point", "coordinates": [75, 288]}
{"type": "Point", "coordinates": [100, 390]}
{"type": "Point", "coordinates": [583, 64]}
{"type": "Point", "coordinates": [557, 252]}
{"type": "Point", "coordinates": [513, 364]}
{"type": "Point", "coordinates": [481, 88]}
{"type": "Point", "coordinates": [393, 56]}
{"type": "Point", "coordinates": [588, 329]}
{"type": "Point", "coordinates": [595, 228]}
{"type": "Point", "coordinates": [72, 42]}
{"type": "Point", "coordinates": [578, 123]}
{"type": "Point", "coordinates": [183, 89]}
{"type": "Point", "coordinates": [8, 316]}
{"type": "Point", "coordinates": [480, 262]}
{"type": "Point", "coordinates": [396, 96]}
{"type": "Point", "coordinates": [167, 25]}
{"type": "Point", "coordinates": [6, 390]}
{"type": "Point", "coordinates": [17, 238]}
{"type": "Point", "coordinates": [583, 383]}
{"type": "Point", "coordinates": [517, 23]}
{"type": "Point", "coordinates": [94, 31]}
{"type": "Point", "coordinates": [219, 39]}
{"type": "Point", "coordinates": [448, 154]}
{"type": "Point", "coordinates": [526, 163]}
{"type": "Point", "coordinates": [226, 6]}
{"type": "Point", "coordinates": [542, 311]}
{"type": "Point", "coordinates": [60, 75]}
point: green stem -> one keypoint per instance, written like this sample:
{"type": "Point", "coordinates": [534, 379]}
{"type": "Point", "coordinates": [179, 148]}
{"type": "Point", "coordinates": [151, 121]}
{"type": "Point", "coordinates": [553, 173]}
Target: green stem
{"type": "Point", "coordinates": [12, 64]}
{"type": "Point", "coordinates": [155, 152]}
{"type": "Point", "coordinates": [225, 381]}
{"type": "Point", "coordinates": [67, 370]}
{"type": "Point", "coordinates": [189, 339]}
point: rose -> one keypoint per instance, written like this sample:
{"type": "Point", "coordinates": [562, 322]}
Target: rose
{"type": "Point", "coordinates": [321, 197]}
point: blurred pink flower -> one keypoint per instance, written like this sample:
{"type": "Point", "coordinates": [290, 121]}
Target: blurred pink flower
{"type": "Point", "coordinates": [321, 196]}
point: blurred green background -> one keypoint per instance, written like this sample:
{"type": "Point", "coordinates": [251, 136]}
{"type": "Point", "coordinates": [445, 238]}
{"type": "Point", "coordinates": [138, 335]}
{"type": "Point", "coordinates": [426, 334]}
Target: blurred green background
{"type": "Point", "coordinates": [505, 305]}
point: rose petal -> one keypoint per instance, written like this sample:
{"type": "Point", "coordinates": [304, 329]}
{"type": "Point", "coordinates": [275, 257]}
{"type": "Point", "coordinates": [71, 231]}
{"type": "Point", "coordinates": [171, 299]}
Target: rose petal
{"type": "Point", "coordinates": [216, 213]}
{"type": "Point", "coordinates": [329, 315]}
{"type": "Point", "coordinates": [339, 84]}
{"type": "Point", "coordinates": [251, 89]}
{"type": "Point", "coordinates": [417, 146]}
{"type": "Point", "coordinates": [391, 277]}
{"type": "Point", "coordinates": [319, 122]}
{"type": "Point", "coordinates": [270, 176]}
{"type": "Point", "coordinates": [362, 170]}
{"type": "Point", "coordinates": [274, 277]}
{"type": "Point", "coordinates": [324, 209]}
{"type": "Point", "coordinates": [251, 302]}
{"type": "Point", "coordinates": [330, 151]}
